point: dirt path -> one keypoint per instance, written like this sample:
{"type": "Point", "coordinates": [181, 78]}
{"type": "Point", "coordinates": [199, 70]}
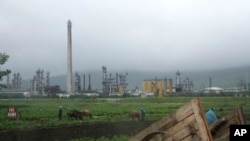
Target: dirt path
{"type": "Point", "coordinates": [65, 133]}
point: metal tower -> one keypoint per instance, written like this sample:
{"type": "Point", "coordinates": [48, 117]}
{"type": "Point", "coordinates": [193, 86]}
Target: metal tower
{"type": "Point", "coordinates": [83, 84]}
{"type": "Point", "coordinates": [16, 81]}
{"type": "Point", "coordinates": [89, 87]}
{"type": "Point", "coordinates": [77, 83]}
{"type": "Point", "coordinates": [39, 81]}
{"type": "Point", "coordinates": [178, 79]}
{"type": "Point", "coordinates": [178, 86]}
{"type": "Point", "coordinates": [105, 82]}
{"type": "Point", "coordinates": [47, 79]}
{"type": "Point", "coordinates": [123, 82]}
{"type": "Point", "coordinates": [8, 81]}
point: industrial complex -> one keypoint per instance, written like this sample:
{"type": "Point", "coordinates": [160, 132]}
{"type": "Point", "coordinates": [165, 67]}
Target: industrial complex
{"type": "Point", "coordinates": [115, 84]}
{"type": "Point", "coordinates": [111, 84]}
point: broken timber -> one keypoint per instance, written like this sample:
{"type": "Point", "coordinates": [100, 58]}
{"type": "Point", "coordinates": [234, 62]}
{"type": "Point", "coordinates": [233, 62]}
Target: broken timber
{"type": "Point", "coordinates": [187, 123]}
{"type": "Point", "coordinates": [220, 130]}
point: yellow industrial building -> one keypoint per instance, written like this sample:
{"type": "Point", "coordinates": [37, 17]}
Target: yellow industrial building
{"type": "Point", "coordinates": [120, 89]}
{"type": "Point", "coordinates": [159, 87]}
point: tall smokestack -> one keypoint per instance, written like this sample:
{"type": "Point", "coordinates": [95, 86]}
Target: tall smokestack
{"type": "Point", "coordinates": [84, 83]}
{"type": "Point", "coordinates": [69, 76]}
{"type": "Point", "coordinates": [89, 88]}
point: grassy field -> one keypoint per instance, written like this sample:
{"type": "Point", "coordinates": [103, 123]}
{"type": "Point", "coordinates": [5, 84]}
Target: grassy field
{"type": "Point", "coordinates": [37, 113]}
{"type": "Point", "coordinates": [43, 112]}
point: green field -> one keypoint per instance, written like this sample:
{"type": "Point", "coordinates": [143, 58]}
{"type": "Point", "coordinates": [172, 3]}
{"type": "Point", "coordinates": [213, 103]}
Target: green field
{"type": "Point", "coordinates": [37, 113]}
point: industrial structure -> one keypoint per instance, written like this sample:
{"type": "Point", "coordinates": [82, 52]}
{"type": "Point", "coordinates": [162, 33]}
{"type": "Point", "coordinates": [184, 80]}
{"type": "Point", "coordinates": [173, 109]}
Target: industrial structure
{"type": "Point", "coordinates": [16, 81]}
{"type": "Point", "coordinates": [40, 86]}
{"type": "Point", "coordinates": [113, 85]}
{"type": "Point", "coordinates": [165, 86]}
{"type": "Point", "coordinates": [50, 89]}
{"type": "Point", "coordinates": [8, 85]}
{"type": "Point", "coordinates": [69, 60]}
{"type": "Point", "coordinates": [122, 83]}
{"type": "Point", "coordinates": [15, 84]}
{"type": "Point", "coordinates": [178, 86]}
{"type": "Point", "coordinates": [83, 87]}
{"type": "Point", "coordinates": [89, 87]}
{"type": "Point", "coordinates": [37, 83]}
{"type": "Point", "coordinates": [185, 86]}
{"type": "Point", "coordinates": [77, 83]}
{"type": "Point", "coordinates": [78, 88]}
{"type": "Point", "coordinates": [158, 87]}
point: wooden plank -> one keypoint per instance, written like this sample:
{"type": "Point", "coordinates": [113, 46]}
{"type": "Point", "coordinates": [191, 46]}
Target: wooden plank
{"type": "Point", "coordinates": [169, 139]}
{"type": "Point", "coordinates": [156, 126]}
{"type": "Point", "coordinates": [184, 111]}
{"type": "Point", "coordinates": [177, 116]}
{"type": "Point", "coordinates": [185, 132]}
{"type": "Point", "coordinates": [166, 122]}
{"type": "Point", "coordinates": [216, 126]}
{"type": "Point", "coordinates": [154, 136]}
{"type": "Point", "coordinates": [241, 115]}
{"type": "Point", "coordinates": [179, 126]}
{"type": "Point", "coordinates": [189, 138]}
{"type": "Point", "coordinates": [204, 134]}
{"type": "Point", "coordinates": [224, 137]}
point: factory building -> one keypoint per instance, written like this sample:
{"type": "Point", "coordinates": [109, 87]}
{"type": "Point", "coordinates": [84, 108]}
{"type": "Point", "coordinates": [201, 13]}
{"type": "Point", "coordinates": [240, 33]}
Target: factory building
{"type": "Point", "coordinates": [186, 86]}
{"type": "Point", "coordinates": [113, 85]}
{"type": "Point", "coordinates": [216, 90]}
{"type": "Point", "coordinates": [159, 87]}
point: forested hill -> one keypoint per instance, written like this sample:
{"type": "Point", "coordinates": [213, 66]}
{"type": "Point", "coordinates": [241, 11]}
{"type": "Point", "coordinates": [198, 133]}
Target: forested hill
{"type": "Point", "coordinates": [224, 78]}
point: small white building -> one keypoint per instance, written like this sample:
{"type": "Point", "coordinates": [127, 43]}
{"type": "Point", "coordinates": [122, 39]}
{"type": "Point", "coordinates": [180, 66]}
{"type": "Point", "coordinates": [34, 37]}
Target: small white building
{"type": "Point", "coordinates": [216, 90]}
{"type": "Point", "coordinates": [61, 95]}
{"type": "Point", "coordinates": [91, 94]}
{"type": "Point", "coordinates": [147, 94]}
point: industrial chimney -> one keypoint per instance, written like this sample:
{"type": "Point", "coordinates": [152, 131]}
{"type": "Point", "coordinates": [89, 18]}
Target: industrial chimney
{"type": "Point", "coordinates": [69, 60]}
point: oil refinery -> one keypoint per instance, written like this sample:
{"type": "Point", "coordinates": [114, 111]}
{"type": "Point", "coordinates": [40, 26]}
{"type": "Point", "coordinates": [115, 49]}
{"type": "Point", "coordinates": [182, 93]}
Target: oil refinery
{"type": "Point", "coordinates": [112, 84]}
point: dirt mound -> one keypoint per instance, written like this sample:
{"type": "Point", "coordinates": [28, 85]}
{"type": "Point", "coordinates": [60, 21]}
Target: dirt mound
{"type": "Point", "coordinates": [65, 133]}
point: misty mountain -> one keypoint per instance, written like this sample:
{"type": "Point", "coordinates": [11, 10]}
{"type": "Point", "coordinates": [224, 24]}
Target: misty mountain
{"type": "Point", "coordinates": [224, 78]}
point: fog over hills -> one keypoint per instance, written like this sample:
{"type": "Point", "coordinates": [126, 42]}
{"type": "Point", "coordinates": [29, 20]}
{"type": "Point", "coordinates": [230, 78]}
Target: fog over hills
{"type": "Point", "coordinates": [224, 78]}
{"type": "Point", "coordinates": [153, 38]}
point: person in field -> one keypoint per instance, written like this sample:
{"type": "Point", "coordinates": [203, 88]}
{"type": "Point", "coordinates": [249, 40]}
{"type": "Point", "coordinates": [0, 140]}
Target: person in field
{"type": "Point", "coordinates": [211, 116]}
{"type": "Point", "coordinates": [142, 114]}
{"type": "Point", "coordinates": [60, 113]}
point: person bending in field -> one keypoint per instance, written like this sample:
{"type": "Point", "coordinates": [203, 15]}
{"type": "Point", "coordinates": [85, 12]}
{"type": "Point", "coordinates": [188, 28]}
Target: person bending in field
{"type": "Point", "coordinates": [211, 116]}
{"type": "Point", "coordinates": [143, 113]}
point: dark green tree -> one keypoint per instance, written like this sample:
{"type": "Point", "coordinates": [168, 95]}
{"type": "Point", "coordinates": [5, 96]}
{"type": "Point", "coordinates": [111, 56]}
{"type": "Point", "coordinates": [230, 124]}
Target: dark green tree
{"type": "Point", "coordinates": [3, 58]}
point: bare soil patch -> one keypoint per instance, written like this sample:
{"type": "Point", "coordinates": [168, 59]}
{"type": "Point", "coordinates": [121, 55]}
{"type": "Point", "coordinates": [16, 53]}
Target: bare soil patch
{"type": "Point", "coordinates": [65, 133]}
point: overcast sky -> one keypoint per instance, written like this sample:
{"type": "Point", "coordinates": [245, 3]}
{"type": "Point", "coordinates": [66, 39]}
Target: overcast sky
{"type": "Point", "coordinates": [148, 35]}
